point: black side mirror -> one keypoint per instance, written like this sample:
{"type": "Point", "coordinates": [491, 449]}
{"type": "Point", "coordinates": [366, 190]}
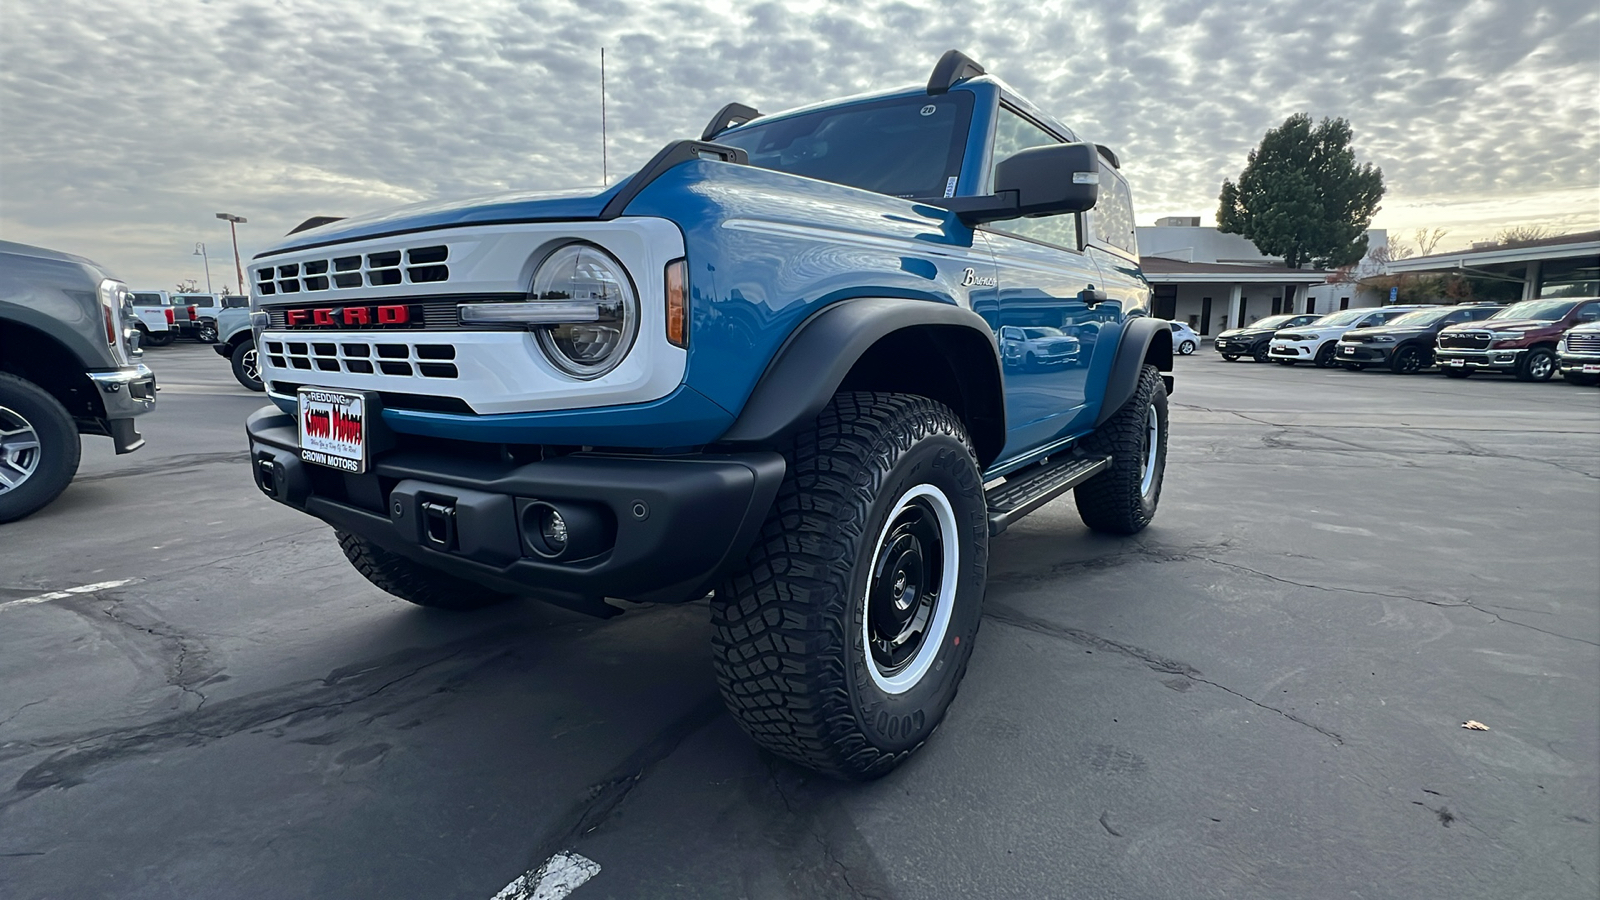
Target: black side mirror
{"type": "Point", "coordinates": [1057, 178]}
{"type": "Point", "coordinates": [1039, 181]}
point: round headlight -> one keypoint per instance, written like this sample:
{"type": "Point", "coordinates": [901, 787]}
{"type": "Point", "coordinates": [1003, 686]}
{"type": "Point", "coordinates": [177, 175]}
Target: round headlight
{"type": "Point", "coordinates": [583, 273]}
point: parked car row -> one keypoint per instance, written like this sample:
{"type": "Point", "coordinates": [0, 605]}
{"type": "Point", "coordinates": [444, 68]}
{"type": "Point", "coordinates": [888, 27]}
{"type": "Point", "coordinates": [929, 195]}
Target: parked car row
{"type": "Point", "coordinates": [163, 317]}
{"type": "Point", "coordinates": [1532, 340]}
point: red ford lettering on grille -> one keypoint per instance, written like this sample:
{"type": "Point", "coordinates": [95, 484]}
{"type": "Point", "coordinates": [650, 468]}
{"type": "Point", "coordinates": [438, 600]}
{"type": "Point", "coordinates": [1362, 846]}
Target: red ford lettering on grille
{"type": "Point", "coordinates": [348, 316]}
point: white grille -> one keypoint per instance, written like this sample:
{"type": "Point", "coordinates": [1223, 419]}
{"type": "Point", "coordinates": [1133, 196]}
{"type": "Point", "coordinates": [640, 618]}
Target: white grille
{"type": "Point", "coordinates": [413, 265]}
{"type": "Point", "coordinates": [364, 358]}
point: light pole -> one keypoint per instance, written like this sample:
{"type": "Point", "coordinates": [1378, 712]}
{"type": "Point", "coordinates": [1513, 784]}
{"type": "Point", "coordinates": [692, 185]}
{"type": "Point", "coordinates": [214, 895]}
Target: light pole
{"type": "Point", "coordinates": [200, 251]}
{"type": "Point", "coordinates": [233, 225]}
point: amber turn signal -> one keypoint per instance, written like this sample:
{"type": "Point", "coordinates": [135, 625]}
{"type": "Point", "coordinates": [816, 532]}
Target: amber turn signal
{"type": "Point", "coordinates": [678, 302]}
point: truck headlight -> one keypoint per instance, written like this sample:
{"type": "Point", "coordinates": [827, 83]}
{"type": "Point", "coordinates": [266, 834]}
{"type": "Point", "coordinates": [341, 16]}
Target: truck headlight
{"type": "Point", "coordinates": [1561, 345]}
{"type": "Point", "coordinates": [583, 273]}
{"type": "Point", "coordinates": [114, 302]}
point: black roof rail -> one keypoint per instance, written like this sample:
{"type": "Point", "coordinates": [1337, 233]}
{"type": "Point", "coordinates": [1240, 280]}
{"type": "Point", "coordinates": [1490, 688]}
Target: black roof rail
{"type": "Point", "coordinates": [952, 67]}
{"type": "Point", "coordinates": [1111, 157]}
{"type": "Point", "coordinates": [727, 117]}
{"type": "Point", "coordinates": [314, 222]}
{"type": "Point", "coordinates": [671, 155]}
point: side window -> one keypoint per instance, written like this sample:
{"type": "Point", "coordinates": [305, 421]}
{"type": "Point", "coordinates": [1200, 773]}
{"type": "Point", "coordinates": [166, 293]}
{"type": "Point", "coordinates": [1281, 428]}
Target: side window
{"type": "Point", "coordinates": [1589, 312]}
{"type": "Point", "coordinates": [1013, 133]}
{"type": "Point", "coordinates": [1113, 212]}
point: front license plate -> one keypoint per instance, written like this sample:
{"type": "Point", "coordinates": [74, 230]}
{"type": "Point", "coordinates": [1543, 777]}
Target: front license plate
{"type": "Point", "coordinates": [1348, 351]}
{"type": "Point", "coordinates": [333, 429]}
{"type": "Point", "coordinates": [1456, 362]}
{"type": "Point", "coordinates": [1591, 368]}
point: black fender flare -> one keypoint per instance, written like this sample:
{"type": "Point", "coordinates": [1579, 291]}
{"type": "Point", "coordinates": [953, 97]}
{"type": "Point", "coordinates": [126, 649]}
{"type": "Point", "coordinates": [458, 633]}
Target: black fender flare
{"type": "Point", "coordinates": [1137, 346]}
{"type": "Point", "coordinates": [813, 363]}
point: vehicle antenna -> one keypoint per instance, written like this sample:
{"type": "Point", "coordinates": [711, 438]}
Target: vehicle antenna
{"type": "Point", "coordinates": [605, 176]}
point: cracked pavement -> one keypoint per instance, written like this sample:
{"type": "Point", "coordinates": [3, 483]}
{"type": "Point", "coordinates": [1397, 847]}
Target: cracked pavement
{"type": "Point", "coordinates": [1259, 697]}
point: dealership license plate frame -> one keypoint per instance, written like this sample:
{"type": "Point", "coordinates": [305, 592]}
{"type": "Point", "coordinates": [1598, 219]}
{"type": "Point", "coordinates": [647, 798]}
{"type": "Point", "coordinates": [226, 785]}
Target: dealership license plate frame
{"type": "Point", "coordinates": [330, 449]}
{"type": "Point", "coordinates": [1591, 368]}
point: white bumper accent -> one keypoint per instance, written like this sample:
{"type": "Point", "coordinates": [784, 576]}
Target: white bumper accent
{"type": "Point", "coordinates": [495, 371]}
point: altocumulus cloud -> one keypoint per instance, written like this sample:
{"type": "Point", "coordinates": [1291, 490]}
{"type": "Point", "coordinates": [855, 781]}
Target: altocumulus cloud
{"type": "Point", "coordinates": [124, 125]}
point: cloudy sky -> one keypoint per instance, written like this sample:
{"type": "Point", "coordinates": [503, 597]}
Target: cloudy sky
{"type": "Point", "coordinates": [126, 124]}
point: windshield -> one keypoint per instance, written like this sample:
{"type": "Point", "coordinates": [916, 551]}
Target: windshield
{"type": "Point", "coordinates": [146, 299]}
{"type": "Point", "coordinates": [905, 147]}
{"type": "Point", "coordinates": [1344, 317]}
{"type": "Point", "coordinates": [1539, 310]}
{"type": "Point", "coordinates": [1421, 317]}
{"type": "Point", "coordinates": [235, 302]}
{"type": "Point", "coordinates": [1043, 332]}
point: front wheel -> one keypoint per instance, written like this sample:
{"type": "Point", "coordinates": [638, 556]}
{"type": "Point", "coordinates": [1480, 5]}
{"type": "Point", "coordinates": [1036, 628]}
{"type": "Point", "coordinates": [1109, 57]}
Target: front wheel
{"type": "Point", "coordinates": [843, 638]}
{"type": "Point", "coordinates": [247, 366]}
{"type": "Point", "coordinates": [1324, 357]}
{"type": "Point", "coordinates": [39, 448]}
{"type": "Point", "coordinates": [1409, 360]}
{"type": "Point", "coordinates": [1123, 498]}
{"type": "Point", "coordinates": [1538, 364]}
{"type": "Point", "coordinates": [1186, 348]}
{"type": "Point", "coordinates": [1262, 353]}
{"type": "Point", "coordinates": [412, 582]}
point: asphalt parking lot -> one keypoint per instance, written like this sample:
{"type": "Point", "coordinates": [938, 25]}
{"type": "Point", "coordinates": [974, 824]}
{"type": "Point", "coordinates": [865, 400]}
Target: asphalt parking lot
{"type": "Point", "coordinates": [1260, 696]}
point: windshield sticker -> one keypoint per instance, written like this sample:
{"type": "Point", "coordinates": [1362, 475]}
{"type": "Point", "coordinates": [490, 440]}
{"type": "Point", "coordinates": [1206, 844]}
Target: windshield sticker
{"type": "Point", "coordinates": [950, 186]}
{"type": "Point", "coordinates": [929, 110]}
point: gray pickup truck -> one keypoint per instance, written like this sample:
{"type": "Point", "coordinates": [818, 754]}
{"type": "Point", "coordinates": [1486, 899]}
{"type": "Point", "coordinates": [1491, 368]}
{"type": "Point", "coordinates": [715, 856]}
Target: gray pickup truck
{"type": "Point", "coordinates": [68, 366]}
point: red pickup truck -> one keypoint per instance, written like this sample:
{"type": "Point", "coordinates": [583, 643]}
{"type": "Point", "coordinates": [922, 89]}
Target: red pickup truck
{"type": "Point", "coordinates": [1520, 339]}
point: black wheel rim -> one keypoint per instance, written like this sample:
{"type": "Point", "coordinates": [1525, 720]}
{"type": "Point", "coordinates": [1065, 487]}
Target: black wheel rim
{"type": "Point", "coordinates": [250, 365]}
{"type": "Point", "coordinates": [905, 586]}
{"type": "Point", "coordinates": [1410, 360]}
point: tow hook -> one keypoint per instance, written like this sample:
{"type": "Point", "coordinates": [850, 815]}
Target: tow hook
{"type": "Point", "coordinates": [439, 524]}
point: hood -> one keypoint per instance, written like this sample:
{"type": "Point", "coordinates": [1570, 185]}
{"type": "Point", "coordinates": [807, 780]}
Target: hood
{"type": "Point", "coordinates": [1505, 325]}
{"type": "Point", "coordinates": [512, 206]}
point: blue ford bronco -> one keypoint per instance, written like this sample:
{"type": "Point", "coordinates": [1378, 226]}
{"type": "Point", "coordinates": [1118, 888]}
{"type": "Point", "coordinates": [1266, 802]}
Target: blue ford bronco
{"type": "Point", "coordinates": [768, 365]}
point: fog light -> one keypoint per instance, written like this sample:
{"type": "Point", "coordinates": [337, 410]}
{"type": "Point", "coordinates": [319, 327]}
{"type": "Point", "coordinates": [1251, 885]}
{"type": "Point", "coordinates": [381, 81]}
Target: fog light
{"type": "Point", "coordinates": [554, 530]}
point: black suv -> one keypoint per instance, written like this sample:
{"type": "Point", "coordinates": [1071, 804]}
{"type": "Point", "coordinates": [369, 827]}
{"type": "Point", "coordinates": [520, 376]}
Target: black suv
{"type": "Point", "coordinates": [1406, 344]}
{"type": "Point", "coordinates": [1252, 339]}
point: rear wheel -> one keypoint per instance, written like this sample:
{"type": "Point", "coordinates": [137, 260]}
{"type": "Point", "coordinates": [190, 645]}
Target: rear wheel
{"type": "Point", "coordinates": [1538, 364]}
{"type": "Point", "coordinates": [39, 448]}
{"type": "Point", "coordinates": [842, 641]}
{"type": "Point", "coordinates": [412, 582]}
{"type": "Point", "coordinates": [1122, 499]}
{"type": "Point", "coordinates": [247, 366]}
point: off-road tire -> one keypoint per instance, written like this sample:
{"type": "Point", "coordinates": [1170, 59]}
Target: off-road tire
{"type": "Point", "coordinates": [1456, 373]}
{"type": "Point", "coordinates": [1580, 379]}
{"type": "Point", "coordinates": [56, 459]}
{"type": "Point", "coordinates": [789, 627]}
{"type": "Point", "coordinates": [1117, 500]}
{"type": "Point", "coordinates": [1324, 356]}
{"type": "Point", "coordinates": [240, 371]}
{"type": "Point", "coordinates": [1538, 364]}
{"type": "Point", "coordinates": [412, 582]}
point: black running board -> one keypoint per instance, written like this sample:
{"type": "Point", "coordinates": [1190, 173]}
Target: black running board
{"type": "Point", "coordinates": [1025, 491]}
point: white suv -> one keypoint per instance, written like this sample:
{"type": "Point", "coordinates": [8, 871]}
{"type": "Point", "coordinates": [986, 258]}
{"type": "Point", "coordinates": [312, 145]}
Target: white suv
{"type": "Point", "coordinates": [1315, 343]}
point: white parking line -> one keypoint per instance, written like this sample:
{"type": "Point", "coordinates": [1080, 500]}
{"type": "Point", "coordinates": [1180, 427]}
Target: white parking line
{"type": "Point", "coordinates": [559, 876]}
{"type": "Point", "coordinates": [58, 595]}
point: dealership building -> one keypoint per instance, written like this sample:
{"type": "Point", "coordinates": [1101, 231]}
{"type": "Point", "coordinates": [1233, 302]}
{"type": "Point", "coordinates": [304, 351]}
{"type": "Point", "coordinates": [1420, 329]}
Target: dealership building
{"type": "Point", "coordinates": [1565, 266]}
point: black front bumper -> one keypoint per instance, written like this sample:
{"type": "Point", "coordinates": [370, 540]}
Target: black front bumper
{"type": "Point", "coordinates": [1367, 354]}
{"type": "Point", "coordinates": [1239, 348]}
{"type": "Point", "coordinates": [651, 529]}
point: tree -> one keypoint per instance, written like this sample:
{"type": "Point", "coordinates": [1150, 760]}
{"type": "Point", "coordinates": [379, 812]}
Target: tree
{"type": "Point", "coordinates": [1517, 235]}
{"type": "Point", "coordinates": [188, 286]}
{"type": "Point", "coordinates": [1301, 195]}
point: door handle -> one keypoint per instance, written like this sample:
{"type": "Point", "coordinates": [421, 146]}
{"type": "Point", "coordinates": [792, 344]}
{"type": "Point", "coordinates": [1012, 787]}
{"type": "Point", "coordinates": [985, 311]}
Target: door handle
{"type": "Point", "coordinates": [1090, 296]}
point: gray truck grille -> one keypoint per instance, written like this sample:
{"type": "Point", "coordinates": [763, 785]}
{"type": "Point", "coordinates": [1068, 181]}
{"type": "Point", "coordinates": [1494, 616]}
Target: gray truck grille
{"type": "Point", "coordinates": [414, 265]}
{"type": "Point", "coordinates": [365, 358]}
{"type": "Point", "coordinates": [1588, 342]}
